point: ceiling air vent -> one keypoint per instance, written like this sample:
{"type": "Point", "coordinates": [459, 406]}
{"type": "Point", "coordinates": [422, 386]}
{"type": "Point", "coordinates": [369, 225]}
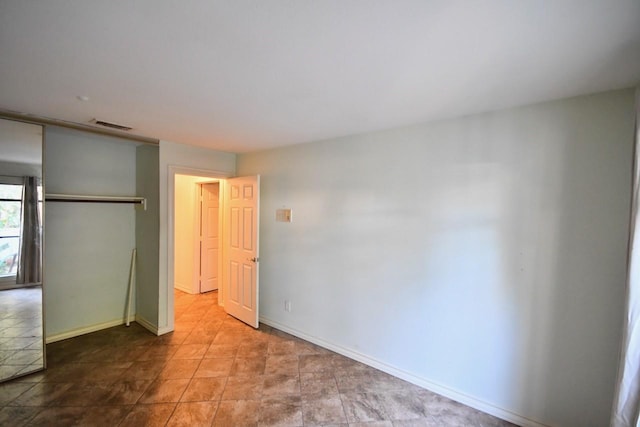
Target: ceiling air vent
{"type": "Point", "coordinates": [111, 125]}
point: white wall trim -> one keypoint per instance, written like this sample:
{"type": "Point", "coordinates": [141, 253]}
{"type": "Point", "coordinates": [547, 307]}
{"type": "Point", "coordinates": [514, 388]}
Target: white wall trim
{"type": "Point", "coordinates": [184, 288]}
{"type": "Point", "coordinates": [407, 376]}
{"type": "Point", "coordinates": [165, 330]}
{"type": "Point", "coordinates": [174, 170]}
{"type": "Point", "coordinates": [197, 212]}
{"type": "Point", "coordinates": [147, 325]}
{"type": "Point", "coordinates": [9, 283]}
{"type": "Point", "coordinates": [86, 330]}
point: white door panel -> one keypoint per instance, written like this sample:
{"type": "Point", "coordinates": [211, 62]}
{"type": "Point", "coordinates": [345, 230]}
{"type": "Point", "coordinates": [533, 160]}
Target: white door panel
{"type": "Point", "coordinates": [242, 203]}
{"type": "Point", "coordinates": [209, 239]}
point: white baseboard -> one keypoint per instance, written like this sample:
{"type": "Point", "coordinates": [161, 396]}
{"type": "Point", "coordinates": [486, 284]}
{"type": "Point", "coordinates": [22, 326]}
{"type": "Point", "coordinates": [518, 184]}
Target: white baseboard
{"type": "Point", "coordinates": [7, 285]}
{"type": "Point", "coordinates": [86, 330]}
{"type": "Point", "coordinates": [407, 376]}
{"type": "Point", "coordinates": [147, 325]}
{"type": "Point", "coordinates": [183, 288]}
{"type": "Point", "coordinates": [164, 330]}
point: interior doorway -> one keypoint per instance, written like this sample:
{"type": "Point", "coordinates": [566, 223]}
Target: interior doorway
{"type": "Point", "coordinates": [197, 263]}
{"type": "Point", "coordinates": [238, 230]}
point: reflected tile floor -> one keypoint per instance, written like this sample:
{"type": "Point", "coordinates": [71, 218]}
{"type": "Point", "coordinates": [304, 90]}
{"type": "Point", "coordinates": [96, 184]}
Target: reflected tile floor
{"type": "Point", "coordinates": [215, 371]}
{"type": "Point", "coordinates": [21, 345]}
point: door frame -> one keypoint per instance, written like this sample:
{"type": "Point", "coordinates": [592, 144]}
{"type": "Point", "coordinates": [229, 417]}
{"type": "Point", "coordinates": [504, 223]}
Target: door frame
{"type": "Point", "coordinates": [173, 171]}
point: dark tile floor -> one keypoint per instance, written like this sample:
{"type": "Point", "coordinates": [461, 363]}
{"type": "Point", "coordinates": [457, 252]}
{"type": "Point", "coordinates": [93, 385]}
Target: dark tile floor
{"type": "Point", "coordinates": [215, 371]}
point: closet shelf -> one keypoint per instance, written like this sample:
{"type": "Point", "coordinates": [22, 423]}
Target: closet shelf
{"type": "Point", "coordinates": [78, 198]}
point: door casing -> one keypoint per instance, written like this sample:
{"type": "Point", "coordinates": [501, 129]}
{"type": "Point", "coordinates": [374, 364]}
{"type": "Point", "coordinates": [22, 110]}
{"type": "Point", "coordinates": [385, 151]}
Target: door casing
{"type": "Point", "coordinates": [174, 170]}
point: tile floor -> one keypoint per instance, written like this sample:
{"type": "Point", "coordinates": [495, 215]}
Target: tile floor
{"type": "Point", "coordinates": [21, 344]}
{"type": "Point", "coordinates": [215, 371]}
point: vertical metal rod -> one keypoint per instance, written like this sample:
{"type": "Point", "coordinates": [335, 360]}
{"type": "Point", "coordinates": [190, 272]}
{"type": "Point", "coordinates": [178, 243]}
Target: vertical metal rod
{"type": "Point", "coordinates": [132, 275]}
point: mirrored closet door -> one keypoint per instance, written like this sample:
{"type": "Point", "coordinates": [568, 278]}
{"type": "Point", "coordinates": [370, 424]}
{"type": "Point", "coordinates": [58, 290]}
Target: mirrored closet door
{"type": "Point", "coordinates": [21, 249]}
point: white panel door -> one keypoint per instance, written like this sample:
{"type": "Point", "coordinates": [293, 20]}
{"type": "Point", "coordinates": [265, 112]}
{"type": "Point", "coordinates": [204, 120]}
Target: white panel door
{"type": "Point", "coordinates": [209, 238]}
{"type": "Point", "coordinates": [242, 204]}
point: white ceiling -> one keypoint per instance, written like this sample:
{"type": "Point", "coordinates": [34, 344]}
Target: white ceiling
{"type": "Point", "coordinates": [243, 75]}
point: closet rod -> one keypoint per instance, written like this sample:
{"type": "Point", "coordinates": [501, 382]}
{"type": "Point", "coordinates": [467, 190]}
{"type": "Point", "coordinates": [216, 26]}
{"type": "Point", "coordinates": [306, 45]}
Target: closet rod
{"type": "Point", "coordinates": [95, 199]}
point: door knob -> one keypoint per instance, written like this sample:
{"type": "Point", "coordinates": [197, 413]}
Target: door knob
{"type": "Point", "coordinates": [254, 259]}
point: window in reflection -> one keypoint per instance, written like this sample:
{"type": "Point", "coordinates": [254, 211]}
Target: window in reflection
{"type": "Point", "coordinates": [10, 215]}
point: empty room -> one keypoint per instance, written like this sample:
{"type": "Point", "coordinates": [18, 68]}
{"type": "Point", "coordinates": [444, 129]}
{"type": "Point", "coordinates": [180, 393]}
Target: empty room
{"type": "Point", "coordinates": [319, 213]}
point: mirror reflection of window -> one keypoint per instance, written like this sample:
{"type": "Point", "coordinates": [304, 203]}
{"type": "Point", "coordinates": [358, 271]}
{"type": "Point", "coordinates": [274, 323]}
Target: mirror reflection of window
{"type": "Point", "coordinates": [10, 216]}
{"type": "Point", "coordinates": [22, 348]}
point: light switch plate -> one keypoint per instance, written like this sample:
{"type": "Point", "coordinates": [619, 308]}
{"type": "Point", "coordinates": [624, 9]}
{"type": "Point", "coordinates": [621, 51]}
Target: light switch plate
{"type": "Point", "coordinates": [283, 215]}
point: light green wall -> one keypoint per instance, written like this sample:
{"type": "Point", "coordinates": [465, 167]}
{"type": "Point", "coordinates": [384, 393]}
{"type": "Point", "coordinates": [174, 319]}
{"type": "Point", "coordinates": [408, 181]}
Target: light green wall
{"type": "Point", "coordinates": [88, 246]}
{"type": "Point", "coordinates": [482, 257]}
{"type": "Point", "coordinates": [147, 234]}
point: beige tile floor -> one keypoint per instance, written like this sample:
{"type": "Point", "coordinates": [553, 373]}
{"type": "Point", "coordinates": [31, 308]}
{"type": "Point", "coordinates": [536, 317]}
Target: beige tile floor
{"type": "Point", "coordinates": [215, 371]}
{"type": "Point", "coordinates": [21, 344]}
